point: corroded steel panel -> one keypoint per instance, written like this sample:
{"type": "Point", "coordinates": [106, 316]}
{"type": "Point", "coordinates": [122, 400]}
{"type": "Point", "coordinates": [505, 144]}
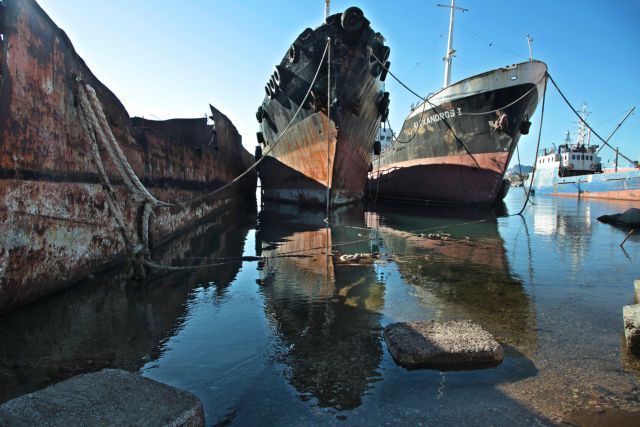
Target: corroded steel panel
{"type": "Point", "coordinates": [57, 224]}
{"type": "Point", "coordinates": [326, 142]}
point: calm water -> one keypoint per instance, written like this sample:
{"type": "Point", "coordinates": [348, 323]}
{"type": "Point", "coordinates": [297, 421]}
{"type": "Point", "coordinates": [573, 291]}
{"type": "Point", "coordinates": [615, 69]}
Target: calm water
{"type": "Point", "coordinates": [296, 337]}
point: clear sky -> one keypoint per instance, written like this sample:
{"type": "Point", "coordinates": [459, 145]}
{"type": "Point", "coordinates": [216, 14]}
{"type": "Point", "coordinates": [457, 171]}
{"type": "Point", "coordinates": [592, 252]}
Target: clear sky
{"type": "Point", "coordinates": [166, 59]}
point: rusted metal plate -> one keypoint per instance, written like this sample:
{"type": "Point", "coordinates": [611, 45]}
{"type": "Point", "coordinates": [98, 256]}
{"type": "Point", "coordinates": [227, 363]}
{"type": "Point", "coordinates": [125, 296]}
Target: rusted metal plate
{"type": "Point", "coordinates": [57, 225]}
{"type": "Point", "coordinates": [316, 145]}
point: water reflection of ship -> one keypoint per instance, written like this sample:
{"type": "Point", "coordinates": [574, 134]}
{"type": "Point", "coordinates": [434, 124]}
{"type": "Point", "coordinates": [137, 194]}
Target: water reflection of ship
{"type": "Point", "coordinates": [465, 277]}
{"type": "Point", "coordinates": [326, 313]}
{"type": "Point", "coordinates": [572, 233]}
{"type": "Point", "coordinates": [108, 322]}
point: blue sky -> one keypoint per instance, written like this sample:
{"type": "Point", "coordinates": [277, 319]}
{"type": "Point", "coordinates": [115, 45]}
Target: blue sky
{"type": "Point", "coordinates": [166, 59]}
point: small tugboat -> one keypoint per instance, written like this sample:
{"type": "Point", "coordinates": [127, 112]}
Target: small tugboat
{"type": "Point", "coordinates": [573, 169]}
{"type": "Point", "coordinates": [318, 122]}
{"type": "Point", "coordinates": [456, 145]}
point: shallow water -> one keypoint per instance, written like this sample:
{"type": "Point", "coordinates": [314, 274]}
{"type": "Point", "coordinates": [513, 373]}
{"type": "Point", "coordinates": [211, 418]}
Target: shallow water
{"type": "Point", "coordinates": [296, 337]}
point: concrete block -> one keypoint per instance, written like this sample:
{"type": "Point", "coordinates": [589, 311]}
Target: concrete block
{"type": "Point", "coordinates": [454, 345]}
{"type": "Point", "coordinates": [631, 318]}
{"type": "Point", "coordinates": [106, 398]}
{"type": "Point", "coordinates": [636, 288]}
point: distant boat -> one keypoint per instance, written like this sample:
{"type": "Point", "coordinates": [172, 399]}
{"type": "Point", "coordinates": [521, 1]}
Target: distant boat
{"type": "Point", "coordinates": [573, 169]}
{"type": "Point", "coordinates": [324, 155]}
{"type": "Point", "coordinates": [456, 145]}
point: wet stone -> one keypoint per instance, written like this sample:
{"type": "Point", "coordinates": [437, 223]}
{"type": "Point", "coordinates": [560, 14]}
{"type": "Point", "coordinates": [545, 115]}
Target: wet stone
{"type": "Point", "coordinates": [105, 398]}
{"type": "Point", "coordinates": [453, 345]}
{"type": "Point", "coordinates": [631, 318]}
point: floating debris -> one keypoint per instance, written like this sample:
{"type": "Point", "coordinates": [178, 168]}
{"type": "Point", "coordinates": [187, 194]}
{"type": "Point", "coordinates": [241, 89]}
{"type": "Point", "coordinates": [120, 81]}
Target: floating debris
{"type": "Point", "coordinates": [439, 236]}
{"type": "Point", "coordinates": [357, 257]}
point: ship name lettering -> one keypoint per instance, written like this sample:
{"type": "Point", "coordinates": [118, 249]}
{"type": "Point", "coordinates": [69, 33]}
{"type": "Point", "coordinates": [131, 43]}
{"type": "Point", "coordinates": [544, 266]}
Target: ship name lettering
{"type": "Point", "coordinates": [437, 117]}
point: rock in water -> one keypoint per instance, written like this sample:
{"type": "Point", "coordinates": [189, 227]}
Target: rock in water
{"type": "Point", "coordinates": [630, 218]}
{"type": "Point", "coordinates": [453, 345]}
{"type": "Point", "coordinates": [105, 398]}
{"type": "Point", "coordinates": [631, 317]}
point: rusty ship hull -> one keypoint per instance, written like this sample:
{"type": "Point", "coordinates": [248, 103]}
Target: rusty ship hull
{"type": "Point", "coordinates": [322, 153]}
{"type": "Point", "coordinates": [455, 147]}
{"type": "Point", "coordinates": [56, 205]}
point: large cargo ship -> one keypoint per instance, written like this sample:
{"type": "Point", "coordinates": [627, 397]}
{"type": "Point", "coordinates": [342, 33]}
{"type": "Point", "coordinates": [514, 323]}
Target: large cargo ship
{"type": "Point", "coordinates": [318, 122]}
{"type": "Point", "coordinates": [456, 145]}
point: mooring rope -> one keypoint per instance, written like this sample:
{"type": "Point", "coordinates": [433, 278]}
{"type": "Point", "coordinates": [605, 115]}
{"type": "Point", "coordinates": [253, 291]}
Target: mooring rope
{"type": "Point", "coordinates": [535, 160]}
{"type": "Point", "coordinates": [97, 129]}
{"type": "Point", "coordinates": [90, 127]}
{"type": "Point", "coordinates": [583, 121]}
{"type": "Point", "coordinates": [613, 132]}
{"type": "Point", "coordinates": [435, 108]}
{"type": "Point", "coordinates": [328, 131]}
{"type": "Point", "coordinates": [98, 122]}
{"type": "Point", "coordinates": [508, 105]}
{"type": "Point", "coordinates": [271, 146]}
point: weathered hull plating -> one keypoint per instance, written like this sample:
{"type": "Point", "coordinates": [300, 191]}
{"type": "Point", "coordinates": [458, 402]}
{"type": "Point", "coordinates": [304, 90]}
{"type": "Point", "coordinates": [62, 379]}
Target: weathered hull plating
{"type": "Point", "coordinates": [57, 226]}
{"type": "Point", "coordinates": [52, 340]}
{"type": "Point", "coordinates": [455, 148]}
{"type": "Point", "coordinates": [327, 150]}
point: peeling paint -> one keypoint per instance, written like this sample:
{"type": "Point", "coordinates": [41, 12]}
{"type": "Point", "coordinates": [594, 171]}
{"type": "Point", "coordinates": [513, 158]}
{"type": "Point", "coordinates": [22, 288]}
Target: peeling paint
{"type": "Point", "coordinates": [57, 225]}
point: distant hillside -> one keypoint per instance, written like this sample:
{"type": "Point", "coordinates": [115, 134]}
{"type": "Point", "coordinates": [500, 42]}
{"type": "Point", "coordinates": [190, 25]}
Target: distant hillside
{"type": "Point", "coordinates": [516, 169]}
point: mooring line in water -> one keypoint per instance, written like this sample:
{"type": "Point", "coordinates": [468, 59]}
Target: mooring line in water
{"type": "Point", "coordinates": [628, 235]}
{"type": "Point", "coordinates": [441, 385]}
{"type": "Point", "coordinates": [300, 252]}
{"type": "Point", "coordinates": [173, 268]}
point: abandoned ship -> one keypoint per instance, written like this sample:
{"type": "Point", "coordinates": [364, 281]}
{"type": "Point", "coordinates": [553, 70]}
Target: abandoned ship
{"type": "Point", "coordinates": [82, 185]}
{"type": "Point", "coordinates": [455, 146]}
{"type": "Point", "coordinates": [318, 122]}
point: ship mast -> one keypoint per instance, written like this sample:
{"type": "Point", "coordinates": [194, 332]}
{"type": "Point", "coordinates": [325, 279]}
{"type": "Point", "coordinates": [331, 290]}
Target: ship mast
{"type": "Point", "coordinates": [450, 50]}
{"type": "Point", "coordinates": [529, 40]}
{"type": "Point", "coordinates": [582, 129]}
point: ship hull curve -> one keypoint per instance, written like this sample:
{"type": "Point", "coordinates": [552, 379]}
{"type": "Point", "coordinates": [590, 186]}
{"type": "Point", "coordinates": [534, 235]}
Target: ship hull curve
{"type": "Point", "coordinates": [456, 147]}
{"type": "Point", "coordinates": [326, 149]}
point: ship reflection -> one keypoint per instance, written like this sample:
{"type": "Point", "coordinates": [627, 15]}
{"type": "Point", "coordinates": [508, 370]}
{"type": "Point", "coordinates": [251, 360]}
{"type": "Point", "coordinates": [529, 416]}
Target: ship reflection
{"type": "Point", "coordinates": [325, 312]}
{"type": "Point", "coordinates": [108, 322]}
{"type": "Point", "coordinates": [462, 276]}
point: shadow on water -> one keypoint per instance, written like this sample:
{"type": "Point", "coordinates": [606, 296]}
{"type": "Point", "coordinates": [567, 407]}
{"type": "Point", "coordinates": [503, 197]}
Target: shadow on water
{"type": "Point", "coordinates": [109, 321]}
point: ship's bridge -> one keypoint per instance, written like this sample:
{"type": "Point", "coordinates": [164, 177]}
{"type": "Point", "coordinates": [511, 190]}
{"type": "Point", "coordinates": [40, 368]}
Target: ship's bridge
{"type": "Point", "coordinates": [570, 159]}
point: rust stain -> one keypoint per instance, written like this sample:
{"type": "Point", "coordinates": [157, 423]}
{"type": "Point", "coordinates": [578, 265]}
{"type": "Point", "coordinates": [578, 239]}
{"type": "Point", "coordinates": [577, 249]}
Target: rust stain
{"type": "Point", "coordinates": [57, 226]}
